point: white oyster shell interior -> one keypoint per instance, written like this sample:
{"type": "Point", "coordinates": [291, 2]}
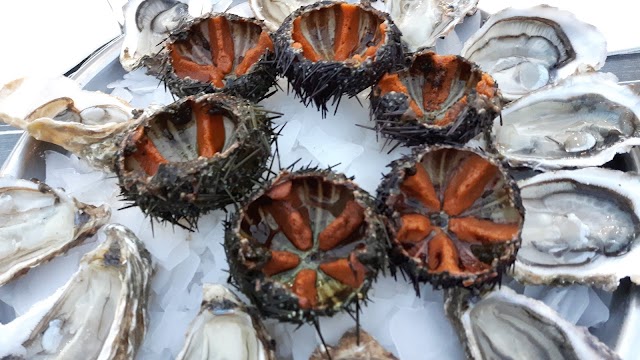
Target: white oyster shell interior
{"type": "Point", "coordinates": [57, 110]}
{"type": "Point", "coordinates": [38, 223]}
{"type": "Point", "coordinates": [422, 22]}
{"type": "Point", "coordinates": [581, 226]}
{"type": "Point", "coordinates": [526, 49]}
{"type": "Point", "coordinates": [582, 121]}
{"type": "Point", "coordinates": [224, 330]}
{"type": "Point", "coordinates": [273, 12]}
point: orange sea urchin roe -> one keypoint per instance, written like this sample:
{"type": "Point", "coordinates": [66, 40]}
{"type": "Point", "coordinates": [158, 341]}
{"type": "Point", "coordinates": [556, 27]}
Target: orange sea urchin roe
{"type": "Point", "coordinates": [147, 154]}
{"type": "Point", "coordinates": [210, 131]}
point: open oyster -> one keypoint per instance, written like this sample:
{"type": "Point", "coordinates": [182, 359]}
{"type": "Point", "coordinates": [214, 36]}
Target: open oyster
{"type": "Point", "coordinates": [505, 325]}
{"type": "Point", "coordinates": [221, 52]}
{"type": "Point", "coordinates": [454, 216]}
{"type": "Point", "coordinates": [273, 12]}
{"type": "Point", "coordinates": [422, 22]}
{"type": "Point", "coordinates": [193, 156]}
{"type": "Point", "coordinates": [87, 123]}
{"type": "Point", "coordinates": [307, 244]}
{"type": "Point", "coordinates": [355, 344]}
{"type": "Point", "coordinates": [438, 98]}
{"type": "Point", "coordinates": [38, 223]}
{"type": "Point", "coordinates": [526, 49]}
{"type": "Point", "coordinates": [581, 226]}
{"type": "Point", "coordinates": [582, 121]}
{"type": "Point", "coordinates": [332, 48]}
{"type": "Point", "coordinates": [101, 312]}
{"type": "Point", "coordinates": [226, 329]}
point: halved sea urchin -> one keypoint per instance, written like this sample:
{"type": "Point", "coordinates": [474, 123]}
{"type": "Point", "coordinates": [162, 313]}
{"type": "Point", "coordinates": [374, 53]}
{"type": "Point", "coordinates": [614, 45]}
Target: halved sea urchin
{"type": "Point", "coordinates": [332, 48]}
{"type": "Point", "coordinates": [308, 244]}
{"type": "Point", "coordinates": [437, 98]}
{"type": "Point", "coordinates": [195, 155]}
{"type": "Point", "coordinates": [221, 53]}
{"type": "Point", "coordinates": [454, 216]}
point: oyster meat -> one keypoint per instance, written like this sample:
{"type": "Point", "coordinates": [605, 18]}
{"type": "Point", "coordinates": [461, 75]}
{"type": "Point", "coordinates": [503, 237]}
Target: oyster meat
{"type": "Point", "coordinates": [422, 22]}
{"type": "Point", "coordinates": [273, 12]}
{"type": "Point", "coordinates": [38, 223]}
{"type": "Point", "coordinates": [86, 123]}
{"type": "Point", "coordinates": [582, 226]}
{"type": "Point", "coordinates": [225, 329]}
{"type": "Point", "coordinates": [582, 121]}
{"type": "Point", "coordinates": [101, 312]}
{"type": "Point", "coordinates": [354, 346]}
{"type": "Point", "coordinates": [506, 325]}
{"type": "Point", "coordinates": [526, 49]}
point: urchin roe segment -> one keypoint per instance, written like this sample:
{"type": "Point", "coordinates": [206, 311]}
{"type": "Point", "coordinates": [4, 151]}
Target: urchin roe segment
{"type": "Point", "coordinates": [476, 218]}
{"type": "Point", "coordinates": [341, 32]}
{"type": "Point", "coordinates": [313, 229]}
{"type": "Point", "coordinates": [181, 132]}
{"type": "Point", "coordinates": [208, 52]}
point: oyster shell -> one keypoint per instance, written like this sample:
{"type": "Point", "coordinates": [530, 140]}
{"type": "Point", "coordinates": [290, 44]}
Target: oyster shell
{"type": "Point", "coordinates": [354, 346]}
{"type": "Point", "coordinates": [87, 123]}
{"type": "Point", "coordinates": [226, 329]}
{"type": "Point", "coordinates": [454, 216]}
{"type": "Point", "coordinates": [422, 22]}
{"type": "Point", "coordinates": [307, 244]}
{"type": "Point", "coordinates": [582, 121]}
{"type": "Point", "coordinates": [101, 312]}
{"type": "Point", "coordinates": [273, 12]}
{"type": "Point", "coordinates": [581, 226]}
{"type": "Point", "coordinates": [221, 53]}
{"type": "Point", "coordinates": [195, 155]}
{"type": "Point", "coordinates": [437, 98]}
{"type": "Point", "coordinates": [526, 49]}
{"type": "Point", "coordinates": [506, 325]}
{"type": "Point", "coordinates": [38, 223]}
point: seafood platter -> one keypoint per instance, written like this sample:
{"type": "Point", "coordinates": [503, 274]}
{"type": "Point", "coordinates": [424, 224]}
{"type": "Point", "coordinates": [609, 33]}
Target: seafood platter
{"type": "Point", "coordinates": [325, 180]}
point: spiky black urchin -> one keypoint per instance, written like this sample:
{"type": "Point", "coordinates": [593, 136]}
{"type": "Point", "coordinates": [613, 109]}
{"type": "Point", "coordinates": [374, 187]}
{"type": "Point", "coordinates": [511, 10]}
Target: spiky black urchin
{"type": "Point", "coordinates": [307, 244]}
{"type": "Point", "coordinates": [320, 71]}
{"type": "Point", "coordinates": [195, 155]}
{"type": "Point", "coordinates": [435, 99]}
{"type": "Point", "coordinates": [220, 53]}
{"type": "Point", "coordinates": [454, 216]}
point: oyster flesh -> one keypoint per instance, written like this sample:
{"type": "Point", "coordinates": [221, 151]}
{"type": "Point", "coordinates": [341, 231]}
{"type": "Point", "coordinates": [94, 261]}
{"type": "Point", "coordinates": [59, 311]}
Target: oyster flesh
{"type": "Point", "coordinates": [354, 346]}
{"type": "Point", "coordinates": [581, 226]}
{"type": "Point", "coordinates": [101, 312]}
{"type": "Point", "coordinates": [86, 123]}
{"type": "Point", "coordinates": [583, 121]}
{"type": "Point", "coordinates": [273, 12]}
{"type": "Point", "coordinates": [506, 325]}
{"type": "Point", "coordinates": [38, 223]}
{"type": "Point", "coordinates": [526, 49]}
{"type": "Point", "coordinates": [422, 22]}
{"type": "Point", "coordinates": [225, 329]}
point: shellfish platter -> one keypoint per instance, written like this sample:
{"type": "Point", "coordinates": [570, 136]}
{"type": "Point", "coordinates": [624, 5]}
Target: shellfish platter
{"type": "Point", "coordinates": [309, 180]}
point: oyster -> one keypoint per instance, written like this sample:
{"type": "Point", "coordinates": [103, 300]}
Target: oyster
{"type": "Point", "coordinates": [101, 312]}
{"type": "Point", "coordinates": [526, 49]}
{"type": "Point", "coordinates": [221, 52]}
{"type": "Point", "coordinates": [354, 345]}
{"type": "Point", "coordinates": [581, 226]}
{"type": "Point", "coordinates": [307, 244]}
{"type": "Point", "coordinates": [454, 216]}
{"type": "Point", "coordinates": [330, 49]}
{"type": "Point", "coordinates": [87, 123]}
{"type": "Point", "coordinates": [226, 329]}
{"type": "Point", "coordinates": [38, 223]}
{"type": "Point", "coordinates": [273, 12]}
{"type": "Point", "coordinates": [583, 121]}
{"type": "Point", "coordinates": [193, 156]}
{"type": "Point", "coordinates": [422, 22]}
{"type": "Point", "coordinates": [438, 98]}
{"type": "Point", "coordinates": [505, 325]}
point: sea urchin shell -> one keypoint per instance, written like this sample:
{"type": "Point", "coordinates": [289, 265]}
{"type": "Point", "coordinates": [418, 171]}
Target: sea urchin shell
{"type": "Point", "coordinates": [330, 48]}
{"type": "Point", "coordinates": [221, 53]}
{"type": "Point", "coordinates": [195, 155]}
{"type": "Point", "coordinates": [438, 98]}
{"type": "Point", "coordinates": [454, 216]}
{"type": "Point", "coordinates": [308, 244]}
